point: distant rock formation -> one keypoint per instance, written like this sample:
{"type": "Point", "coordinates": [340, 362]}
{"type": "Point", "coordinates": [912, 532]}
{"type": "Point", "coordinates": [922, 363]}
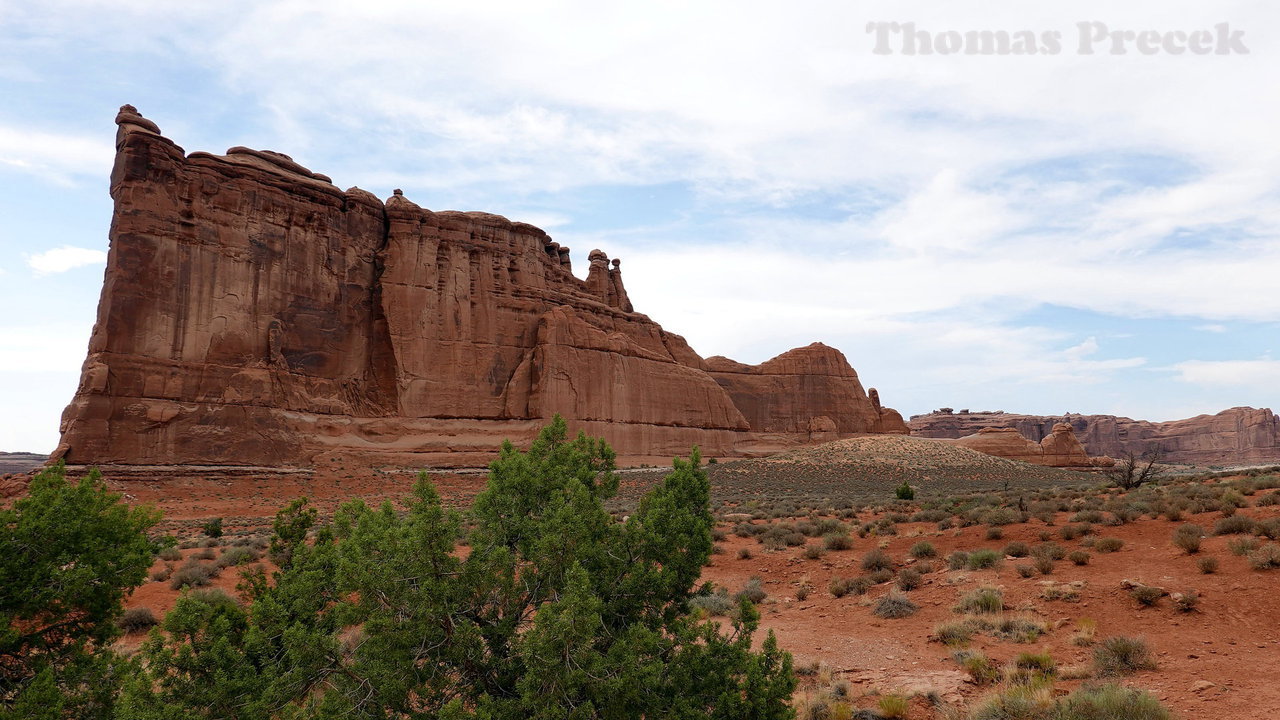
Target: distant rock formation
{"type": "Point", "coordinates": [253, 314]}
{"type": "Point", "coordinates": [12, 462]}
{"type": "Point", "coordinates": [1239, 435]}
{"type": "Point", "coordinates": [1058, 449]}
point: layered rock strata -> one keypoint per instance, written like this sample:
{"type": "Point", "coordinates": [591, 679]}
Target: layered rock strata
{"type": "Point", "coordinates": [254, 314]}
{"type": "Point", "coordinates": [1241, 435]}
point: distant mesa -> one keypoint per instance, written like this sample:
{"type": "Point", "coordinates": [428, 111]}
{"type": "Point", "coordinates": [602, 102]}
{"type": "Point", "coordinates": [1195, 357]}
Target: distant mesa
{"type": "Point", "coordinates": [1059, 448]}
{"type": "Point", "coordinates": [253, 314]}
{"type": "Point", "coordinates": [1239, 435]}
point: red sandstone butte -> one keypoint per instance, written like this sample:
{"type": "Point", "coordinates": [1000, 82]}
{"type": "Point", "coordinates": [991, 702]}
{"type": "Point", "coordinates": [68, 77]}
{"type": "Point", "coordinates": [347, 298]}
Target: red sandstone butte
{"type": "Point", "coordinates": [253, 314]}
{"type": "Point", "coordinates": [1235, 436]}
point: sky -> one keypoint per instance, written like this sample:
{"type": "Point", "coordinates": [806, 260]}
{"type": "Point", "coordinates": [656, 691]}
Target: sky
{"type": "Point", "coordinates": [1071, 231]}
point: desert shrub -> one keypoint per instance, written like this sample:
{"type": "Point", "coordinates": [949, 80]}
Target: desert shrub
{"type": "Point", "coordinates": [212, 528]}
{"type": "Point", "coordinates": [744, 529]}
{"type": "Point", "coordinates": [1041, 663]}
{"type": "Point", "coordinates": [1037, 701]}
{"type": "Point", "coordinates": [1146, 595]}
{"type": "Point", "coordinates": [1017, 549]}
{"type": "Point", "coordinates": [1018, 629]}
{"type": "Point", "coordinates": [837, 541]}
{"type": "Point", "coordinates": [803, 589]}
{"type": "Point", "coordinates": [1266, 557]}
{"type": "Point", "coordinates": [1065, 592]}
{"type": "Point", "coordinates": [171, 553]}
{"type": "Point", "coordinates": [1242, 546]}
{"type": "Point", "coordinates": [1207, 564]}
{"type": "Point", "coordinates": [1120, 655]}
{"type": "Point", "coordinates": [1110, 702]}
{"type": "Point", "coordinates": [137, 620]}
{"type": "Point", "coordinates": [1188, 537]}
{"type": "Point", "coordinates": [1024, 570]}
{"type": "Point", "coordinates": [753, 590]}
{"type": "Point", "coordinates": [924, 567]}
{"type": "Point", "coordinates": [923, 549]}
{"type": "Point", "coordinates": [192, 575]}
{"type": "Point", "coordinates": [994, 533]}
{"type": "Point", "coordinates": [843, 586]}
{"type": "Point", "coordinates": [931, 515]}
{"type": "Point", "coordinates": [1233, 498]}
{"type": "Point", "coordinates": [957, 560]}
{"type": "Point", "coordinates": [1186, 601]}
{"type": "Point", "coordinates": [904, 492]}
{"type": "Point", "coordinates": [982, 600]}
{"type": "Point", "coordinates": [1043, 564]}
{"type": "Point", "coordinates": [876, 577]}
{"type": "Point", "coordinates": [1086, 630]}
{"type": "Point", "coordinates": [1269, 528]}
{"type": "Point", "coordinates": [716, 604]}
{"type": "Point", "coordinates": [1002, 516]}
{"type": "Point", "coordinates": [955, 633]}
{"type": "Point", "coordinates": [876, 559]}
{"type": "Point", "coordinates": [205, 554]}
{"type": "Point", "coordinates": [980, 668]}
{"type": "Point", "coordinates": [161, 574]}
{"type": "Point", "coordinates": [894, 605]}
{"type": "Point", "coordinates": [1271, 498]}
{"type": "Point", "coordinates": [1087, 516]}
{"type": "Point", "coordinates": [885, 526]}
{"type": "Point", "coordinates": [1079, 557]}
{"type": "Point", "coordinates": [744, 553]}
{"type": "Point", "coordinates": [1051, 550]}
{"type": "Point", "coordinates": [813, 552]}
{"type": "Point", "coordinates": [238, 555]}
{"type": "Point", "coordinates": [909, 579]}
{"type": "Point", "coordinates": [1108, 544]}
{"type": "Point", "coordinates": [1234, 525]}
{"type": "Point", "coordinates": [893, 706]}
{"type": "Point", "coordinates": [983, 559]}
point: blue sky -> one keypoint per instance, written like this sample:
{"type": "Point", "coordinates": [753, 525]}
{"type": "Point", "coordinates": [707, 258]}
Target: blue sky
{"type": "Point", "coordinates": [1040, 234]}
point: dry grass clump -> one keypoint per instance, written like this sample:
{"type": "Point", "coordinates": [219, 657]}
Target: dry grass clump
{"type": "Point", "coordinates": [877, 560]}
{"type": "Point", "coordinates": [856, 585]}
{"type": "Point", "coordinates": [923, 549]}
{"type": "Point", "coordinates": [137, 620]}
{"type": "Point", "coordinates": [193, 574]}
{"type": "Point", "coordinates": [1121, 655]}
{"type": "Point", "coordinates": [1108, 544]}
{"type": "Point", "coordinates": [1266, 557]}
{"type": "Point", "coordinates": [1146, 595]}
{"type": "Point", "coordinates": [894, 605]}
{"type": "Point", "coordinates": [984, 600]}
{"type": "Point", "coordinates": [983, 559]}
{"type": "Point", "coordinates": [1188, 537]}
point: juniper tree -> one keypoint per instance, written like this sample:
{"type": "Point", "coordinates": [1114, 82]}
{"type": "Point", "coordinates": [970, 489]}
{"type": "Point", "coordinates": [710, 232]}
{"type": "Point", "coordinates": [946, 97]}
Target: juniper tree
{"type": "Point", "coordinates": [555, 610]}
{"type": "Point", "coordinates": [69, 553]}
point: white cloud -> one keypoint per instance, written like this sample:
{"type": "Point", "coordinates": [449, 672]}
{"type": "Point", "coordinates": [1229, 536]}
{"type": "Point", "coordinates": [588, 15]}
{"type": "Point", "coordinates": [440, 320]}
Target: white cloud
{"type": "Point", "coordinates": [62, 259]}
{"type": "Point", "coordinates": [55, 157]}
{"type": "Point", "coordinates": [57, 348]}
{"type": "Point", "coordinates": [1262, 374]}
{"type": "Point", "coordinates": [1211, 328]}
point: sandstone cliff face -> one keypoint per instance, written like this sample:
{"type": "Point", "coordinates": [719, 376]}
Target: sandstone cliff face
{"type": "Point", "coordinates": [254, 314]}
{"type": "Point", "coordinates": [806, 390]}
{"type": "Point", "coordinates": [1060, 448]}
{"type": "Point", "coordinates": [1237, 435]}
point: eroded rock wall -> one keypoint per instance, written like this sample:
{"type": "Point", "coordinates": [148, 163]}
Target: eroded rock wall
{"type": "Point", "coordinates": [254, 314]}
{"type": "Point", "coordinates": [1234, 436]}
